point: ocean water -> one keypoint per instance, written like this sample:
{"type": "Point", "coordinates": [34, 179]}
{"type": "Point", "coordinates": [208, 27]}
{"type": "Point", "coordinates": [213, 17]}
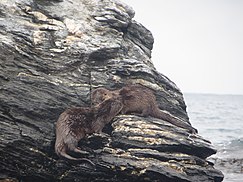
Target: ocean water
{"type": "Point", "coordinates": [219, 118]}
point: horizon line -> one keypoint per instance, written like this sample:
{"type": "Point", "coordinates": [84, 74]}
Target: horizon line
{"type": "Point", "coordinates": [212, 93]}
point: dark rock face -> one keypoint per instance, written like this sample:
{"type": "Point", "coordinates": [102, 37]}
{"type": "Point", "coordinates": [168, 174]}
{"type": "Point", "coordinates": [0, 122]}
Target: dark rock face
{"type": "Point", "coordinates": [52, 54]}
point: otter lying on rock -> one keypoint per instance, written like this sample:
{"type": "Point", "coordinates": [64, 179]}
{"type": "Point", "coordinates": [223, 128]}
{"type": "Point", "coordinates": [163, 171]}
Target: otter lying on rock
{"type": "Point", "coordinates": [141, 100]}
{"type": "Point", "coordinates": [74, 123]}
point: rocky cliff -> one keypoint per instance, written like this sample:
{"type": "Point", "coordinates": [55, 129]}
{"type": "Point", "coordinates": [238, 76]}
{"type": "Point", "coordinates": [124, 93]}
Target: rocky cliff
{"type": "Point", "coordinates": [52, 54]}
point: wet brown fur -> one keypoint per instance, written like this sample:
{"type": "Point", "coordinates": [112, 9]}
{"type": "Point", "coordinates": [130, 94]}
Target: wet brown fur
{"type": "Point", "coordinates": [75, 123]}
{"type": "Point", "coordinates": [140, 100]}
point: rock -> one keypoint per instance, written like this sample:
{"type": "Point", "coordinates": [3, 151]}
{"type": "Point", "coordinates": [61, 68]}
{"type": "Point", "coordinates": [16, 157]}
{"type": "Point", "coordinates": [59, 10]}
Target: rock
{"type": "Point", "coordinates": [52, 54]}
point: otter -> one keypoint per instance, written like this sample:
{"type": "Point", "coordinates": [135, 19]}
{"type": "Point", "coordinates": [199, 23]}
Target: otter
{"type": "Point", "coordinates": [100, 94]}
{"type": "Point", "coordinates": [140, 100]}
{"type": "Point", "coordinates": [75, 123]}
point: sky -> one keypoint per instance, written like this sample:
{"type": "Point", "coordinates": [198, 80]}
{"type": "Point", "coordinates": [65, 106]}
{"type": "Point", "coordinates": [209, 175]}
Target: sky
{"type": "Point", "coordinates": [198, 43]}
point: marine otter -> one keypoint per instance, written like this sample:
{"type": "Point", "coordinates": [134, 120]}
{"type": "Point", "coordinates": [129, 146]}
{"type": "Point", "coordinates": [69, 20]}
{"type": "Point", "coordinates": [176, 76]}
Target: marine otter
{"type": "Point", "coordinates": [141, 100]}
{"type": "Point", "coordinates": [74, 123]}
{"type": "Point", "coordinates": [100, 94]}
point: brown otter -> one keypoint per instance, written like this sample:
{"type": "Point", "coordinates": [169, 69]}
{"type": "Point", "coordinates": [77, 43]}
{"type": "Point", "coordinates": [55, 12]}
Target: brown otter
{"type": "Point", "coordinates": [141, 100]}
{"type": "Point", "coordinates": [74, 123]}
{"type": "Point", "coordinates": [100, 94]}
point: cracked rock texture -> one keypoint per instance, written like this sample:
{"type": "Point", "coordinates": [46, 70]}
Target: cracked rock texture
{"type": "Point", "coordinates": [52, 54]}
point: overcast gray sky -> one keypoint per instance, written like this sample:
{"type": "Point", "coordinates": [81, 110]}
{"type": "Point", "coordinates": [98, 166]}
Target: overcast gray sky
{"type": "Point", "coordinates": [198, 43]}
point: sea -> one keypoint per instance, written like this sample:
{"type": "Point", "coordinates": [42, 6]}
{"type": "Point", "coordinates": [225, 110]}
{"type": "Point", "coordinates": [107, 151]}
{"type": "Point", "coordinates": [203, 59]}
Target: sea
{"type": "Point", "coordinates": [219, 118]}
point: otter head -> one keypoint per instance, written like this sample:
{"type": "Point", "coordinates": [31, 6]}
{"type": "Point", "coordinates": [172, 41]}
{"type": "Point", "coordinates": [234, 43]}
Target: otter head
{"type": "Point", "coordinates": [101, 94]}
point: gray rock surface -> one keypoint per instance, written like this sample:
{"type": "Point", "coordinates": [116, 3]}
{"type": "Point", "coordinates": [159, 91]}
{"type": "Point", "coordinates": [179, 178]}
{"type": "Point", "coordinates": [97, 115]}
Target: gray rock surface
{"type": "Point", "coordinates": [52, 54]}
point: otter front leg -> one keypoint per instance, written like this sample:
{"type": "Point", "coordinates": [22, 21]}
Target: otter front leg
{"type": "Point", "coordinates": [98, 126]}
{"type": "Point", "coordinates": [144, 113]}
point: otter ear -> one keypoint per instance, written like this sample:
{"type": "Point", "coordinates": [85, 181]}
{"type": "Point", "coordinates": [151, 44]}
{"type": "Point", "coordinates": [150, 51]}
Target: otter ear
{"type": "Point", "coordinates": [93, 93]}
{"type": "Point", "coordinates": [96, 90]}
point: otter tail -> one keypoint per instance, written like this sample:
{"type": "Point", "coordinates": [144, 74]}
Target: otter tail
{"type": "Point", "coordinates": [173, 120]}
